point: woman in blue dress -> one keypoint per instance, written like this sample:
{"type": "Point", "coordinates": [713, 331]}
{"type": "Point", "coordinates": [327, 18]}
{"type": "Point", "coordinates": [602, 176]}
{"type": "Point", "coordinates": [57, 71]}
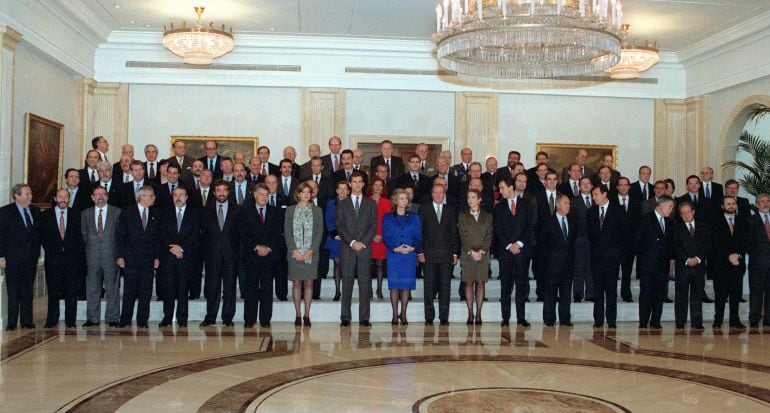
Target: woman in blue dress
{"type": "Point", "coordinates": [332, 242]}
{"type": "Point", "coordinates": [402, 234]}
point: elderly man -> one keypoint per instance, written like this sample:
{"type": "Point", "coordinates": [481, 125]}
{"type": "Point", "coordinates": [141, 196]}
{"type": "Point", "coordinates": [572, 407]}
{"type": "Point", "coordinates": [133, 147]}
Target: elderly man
{"type": "Point", "coordinates": [180, 158]}
{"type": "Point", "coordinates": [395, 164]}
{"type": "Point", "coordinates": [423, 150]}
{"type": "Point", "coordinates": [115, 189]}
{"type": "Point", "coordinates": [313, 150]}
{"type": "Point", "coordinates": [151, 166]}
{"type": "Point", "coordinates": [291, 154]}
{"type": "Point", "coordinates": [333, 161]}
{"type": "Point", "coordinates": [212, 160]}
{"type": "Point", "coordinates": [126, 157]}
{"type": "Point", "coordinates": [358, 162]}
{"type": "Point", "coordinates": [101, 145]}
{"type": "Point", "coordinates": [461, 169]}
{"type": "Point", "coordinates": [759, 264]}
{"type": "Point", "coordinates": [580, 159]}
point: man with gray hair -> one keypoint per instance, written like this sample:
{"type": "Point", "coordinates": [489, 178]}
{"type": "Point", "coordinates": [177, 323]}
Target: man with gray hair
{"type": "Point", "coordinates": [99, 228]}
{"type": "Point", "coordinates": [19, 251]}
{"type": "Point", "coordinates": [759, 264]}
{"type": "Point", "coordinates": [115, 189]}
{"type": "Point", "coordinates": [126, 150]}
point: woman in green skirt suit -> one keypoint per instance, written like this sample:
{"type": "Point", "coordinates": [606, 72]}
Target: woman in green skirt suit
{"type": "Point", "coordinates": [475, 228]}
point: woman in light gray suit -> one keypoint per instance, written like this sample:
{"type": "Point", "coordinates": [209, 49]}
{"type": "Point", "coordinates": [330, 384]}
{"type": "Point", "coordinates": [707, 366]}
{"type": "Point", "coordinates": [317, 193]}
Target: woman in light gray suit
{"type": "Point", "coordinates": [476, 232]}
{"type": "Point", "coordinates": [303, 229]}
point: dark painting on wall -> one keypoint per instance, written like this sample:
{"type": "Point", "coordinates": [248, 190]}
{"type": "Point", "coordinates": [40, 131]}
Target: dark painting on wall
{"type": "Point", "coordinates": [563, 154]}
{"type": "Point", "coordinates": [44, 148]}
{"type": "Point", "coordinates": [227, 145]}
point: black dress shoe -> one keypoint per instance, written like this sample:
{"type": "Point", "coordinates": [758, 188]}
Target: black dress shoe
{"type": "Point", "coordinates": [205, 323]}
{"type": "Point", "coordinates": [504, 323]}
{"type": "Point", "coordinates": [669, 301]}
{"type": "Point", "coordinates": [612, 326]}
{"type": "Point", "coordinates": [28, 326]}
{"type": "Point", "coordinates": [265, 324]}
{"type": "Point", "coordinates": [229, 324]}
{"type": "Point", "coordinates": [165, 323]}
{"type": "Point", "coordinates": [181, 324]}
{"type": "Point", "coordinates": [49, 325]}
{"type": "Point", "coordinates": [248, 325]}
{"type": "Point", "coordinates": [345, 324]}
{"type": "Point", "coordinates": [598, 325]}
{"type": "Point", "coordinates": [656, 326]}
{"type": "Point", "coordinates": [716, 326]}
{"type": "Point", "coordinates": [549, 324]}
{"type": "Point", "coordinates": [523, 323]}
{"type": "Point", "coordinates": [336, 296]}
{"type": "Point", "coordinates": [707, 300]}
{"type": "Point", "coordinates": [10, 328]}
{"type": "Point", "coordinates": [752, 325]}
{"type": "Point", "coordinates": [90, 323]}
{"type": "Point", "coordinates": [566, 324]}
{"type": "Point", "coordinates": [283, 298]}
{"type": "Point", "coordinates": [123, 325]}
{"type": "Point", "coordinates": [318, 297]}
{"type": "Point", "coordinates": [429, 323]}
{"type": "Point", "coordinates": [680, 326]}
{"type": "Point", "coordinates": [365, 323]}
{"type": "Point", "coordinates": [143, 325]}
{"type": "Point", "coordinates": [114, 324]}
{"type": "Point", "coordinates": [577, 300]}
{"type": "Point", "coordinates": [741, 300]}
{"type": "Point", "coordinates": [739, 326]}
{"type": "Point", "coordinates": [698, 327]}
{"type": "Point", "coordinates": [444, 322]}
{"type": "Point", "coordinates": [628, 300]}
{"type": "Point", "coordinates": [70, 325]}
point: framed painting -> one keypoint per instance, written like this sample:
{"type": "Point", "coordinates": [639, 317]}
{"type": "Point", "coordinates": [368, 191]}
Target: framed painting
{"type": "Point", "coordinates": [563, 154]}
{"type": "Point", "coordinates": [228, 145]}
{"type": "Point", "coordinates": [44, 151]}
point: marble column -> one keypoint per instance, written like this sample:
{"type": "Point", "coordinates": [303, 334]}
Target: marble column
{"type": "Point", "coordinates": [103, 111]}
{"type": "Point", "coordinates": [680, 123]}
{"type": "Point", "coordinates": [10, 38]}
{"type": "Point", "coordinates": [323, 116]}
{"type": "Point", "coordinates": [476, 124]}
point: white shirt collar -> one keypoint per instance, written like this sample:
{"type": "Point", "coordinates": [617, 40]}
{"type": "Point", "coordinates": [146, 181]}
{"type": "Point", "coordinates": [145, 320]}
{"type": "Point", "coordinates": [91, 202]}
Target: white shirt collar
{"type": "Point", "coordinates": [658, 216]}
{"type": "Point", "coordinates": [59, 211]}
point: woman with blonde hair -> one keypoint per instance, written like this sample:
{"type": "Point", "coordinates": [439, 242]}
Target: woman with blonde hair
{"type": "Point", "coordinates": [402, 234]}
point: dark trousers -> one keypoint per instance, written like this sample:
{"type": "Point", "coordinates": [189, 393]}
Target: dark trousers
{"type": "Point", "coordinates": [582, 280]}
{"type": "Point", "coordinates": [137, 285]}
{"type": "Point", "coordinates": [194, 276]}
{"type": "Point", "coordinates": [605, 276]}
{"type": "Point", "coordinates": [688, 293]}
{"type": "Point", "coordinates": [258, 291]}
{"type": "Point", "coordinates": [437, 277]}
{"type": "Point", "coordinates": [759, 293]}
{"type": "Point", "coordinates": [727, 285]}
{"type": "Point", "coordinates": [62, 282]}
{"type": "Point", "coordinates": [626, 265]}
{"type": "Point", "coordinates": [354, 266]}
{"type": "Point", "coordinates": [281, 277]}
{"type": "Point", "coordinates": [539, 271]}
{"type": "Point", "coordinates": [652, 292]}
{"type": "Point", "coordinates": [513, 271]}
{"type": "Point", "coordinates": [19, 279]}
{"type": "Point", "coordinates": [323, 269]}
{"type": "Point", "coordinates": [175, 276]}
{"type": "Point", "coordinates": [220, 287]}
{"type": "Point", "coordinates": [559, 284]}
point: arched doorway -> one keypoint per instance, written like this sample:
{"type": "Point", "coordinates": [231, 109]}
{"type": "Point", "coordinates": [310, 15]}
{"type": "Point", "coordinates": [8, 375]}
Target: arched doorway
{"type": "Point", "coordinates": [731, 131]}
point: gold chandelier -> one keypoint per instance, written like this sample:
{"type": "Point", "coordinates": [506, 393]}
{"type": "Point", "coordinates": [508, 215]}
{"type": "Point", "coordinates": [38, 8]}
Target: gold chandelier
{"type": "Point", "coordinates": [512, 39]}
{"type": "Point", "coordinates": [634, 59]}
{"type": "Point", "coordinates": [198, 45]}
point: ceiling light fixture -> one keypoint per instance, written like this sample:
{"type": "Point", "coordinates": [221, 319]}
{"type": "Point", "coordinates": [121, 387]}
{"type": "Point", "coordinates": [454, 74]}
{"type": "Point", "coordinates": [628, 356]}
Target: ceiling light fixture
{"type": "Point", "coordinates": [512, 39]}
{"type": "Point", "coordinates": [198, 45]}
{"type": "Point", "coordinates": [634, 59]}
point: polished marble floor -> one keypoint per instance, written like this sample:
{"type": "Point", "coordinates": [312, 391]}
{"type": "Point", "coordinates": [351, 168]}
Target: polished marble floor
{"type": "Point", "coordinates": [384, 368]}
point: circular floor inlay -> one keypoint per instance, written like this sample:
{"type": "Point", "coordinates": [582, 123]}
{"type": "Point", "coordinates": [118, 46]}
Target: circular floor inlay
{"type": "Point", "coordinates": [493, 400]}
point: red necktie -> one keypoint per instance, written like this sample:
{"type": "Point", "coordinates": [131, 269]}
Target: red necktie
{"type": "Point", "coordinates": [100, 225]}
{"type": "Point", "coordinates": [767, 226]}
{"type": "Point", "coordinates": [336, 164]}
{"type": "Point", "coordinates": [264, 170]}
{"type": "Point", "coordinates": [61, 225]}
{"type": "Point", "coordinates": [261, 216]}
{"type": "Point", "coordinates": [513, 206]}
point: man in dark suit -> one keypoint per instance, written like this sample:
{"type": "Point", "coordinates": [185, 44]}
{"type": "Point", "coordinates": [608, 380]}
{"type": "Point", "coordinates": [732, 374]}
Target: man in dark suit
{"type": "Point", "coordinates": [605, 178]}
{"type": "Point", "coordinates": [313, 151]}
{"type": "Point", "coordinates": [291, 154]}
{"type": "Point", "coordinates": [346, 170]}
{"type": "Point", "coordinates": [333, 161]}
{"type": "Point", "coordinates": [395, 164]}
{"type": "Point", "coordinates": [99, 228]}
{"type": "Point", "coordinates": [221, 249]}
{"type": "Point", "coordinates": [583, 282]}
{"type": "Point", "coordinates": [78, 200]}
{"type": "Point", "coordinates": [744, 207]}
{"type": "Point", "coordinates": [536, 180]}
{"type": "Point", "coordinates": [607, 229]}
{"type": "Point", "coordinates": [759, 264]}
{"type": "Point", "coordinates": [265, 166]}
{"type": "Point", "coordinates": [632, 210]}
{"type": "Point", "coordinates": [694, 197]}
{"type": "Point", "coordinates": [180, 159]}
{"type": "Point", "coordinates": [461, 169]}
{"type": "Point", "coordinates": [570, 184]}
{"type": "Point", "coordinates": [64, 258]}
{"type": "Point", "coordinates": [115, 189]}
{"type": "Point", "coordinates": [212, 160]}
{"type": "Point", "coordinates": [261, 226]}
{"type": "Point", "coordinates": [581, 157]}
{"type": "Point", "coordinates": [546, 208]}
{"type": "Point", "coordinates": [151, 166]}
{"type": "Point", "coordinates": [513, 227]}
{"type": "Point", "coordinates": [179, 243]}
{"type": "Point", "coordinates": [514, 157]}
{"type": "Point", "coordinates": [139, 180]}
{"type": "Point", "coordinates": [655, 251]}
{"type": "Point", "coordinates": [325, 183]}
{"type": "Point", "coordinates": [491, 177]}
{"type": "Point", "coordinates": [288, 183]}
{"type": "Point", "coordinates": [358, 159]}
{"type": "Point", "coordinates": [658, 190]}
{"type": "Point", "coordinates": [613, 175]}
{"type": "Point", "coordinates": [709, 190]}
{"type": "Point", "coordinates": [204, 195]}
{"type": "Point", "coordinates": [730, 235]}
{"type": "Point", "coordinates": [559, 234]}
{"type": "Point", "coordinates": [453, 190]}
{"type": "Point", "coordinates": [240, 187]}
{"type": "Point", "coordinates": [439, 235]}
{"type": "Point", "coordinates": [274, 199]}
{"type": "Point", "coordinates": [19, 251]}
{"type": "Point", "coordinates": [692, 244]}
{"type": "Point", "coordinates": [164, 199]}
{"type": "Point", "coordinates": [356, 225]}
{"type": "Point", "coordinates": [541, 158]}
{"type": "Point", "coordinates": [421, 183]}
{"type": "Point", "coordinates": [121, 170]}
{"type": "Point", "coordinates": [642, 189]}
{"type": "Point", "coordinates": [138, 242]}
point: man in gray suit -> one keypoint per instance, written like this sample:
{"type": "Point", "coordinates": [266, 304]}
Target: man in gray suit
{"type": "Point", "coordinates": [99, 226]}
{"type": "Point", "coordinates": [356, 225]}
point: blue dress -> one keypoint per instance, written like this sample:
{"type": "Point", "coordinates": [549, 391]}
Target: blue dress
{"type": "Point", "coordinates": [397, 230]}
{"type": "Point", "coordinates": [331, 244]}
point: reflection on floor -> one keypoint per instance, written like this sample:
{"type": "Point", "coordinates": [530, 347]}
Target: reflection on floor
{"type": "Point", "coordinates": [384, 368]}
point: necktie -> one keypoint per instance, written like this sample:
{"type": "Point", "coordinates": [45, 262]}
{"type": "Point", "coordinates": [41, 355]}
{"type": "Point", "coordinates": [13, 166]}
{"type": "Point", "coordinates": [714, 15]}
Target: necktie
{"type": "Point", "coordinates": [152, 170]}
{"type": "Point", "coordinates": [144, 218]}
{"type": "Point", "coordinates": [27, 219]}
{"type": "Point", "coordinates": [173, 186]}
{"type": "Point", "coordinates": [767, 226]}
{"type": "Point", "coordinates": [692, 230]}
{"type": "Point", "coordinates": [272, 200]}
{"type": "Point", "coordinates": [107, 187]}
{"type": "Point", "coordinates": [694, 198]}
{"type": "Point", "coordinates": [625, 206]}
{"type": "Point", "coordinates": [731, 225]}
{"type": "Point", "coordinates": [93, 176]}
{"type": "Point", "coordinates": [317, 179]}
{"type": "Point", "coordinates": [261, 216]}
{"type": "Point", "coordinates": [513, 206]}
{"type": "Point", "coordinates": [438, 212]}
{"type": "Point", "coordinates": [422, 165]}
{"type": "Point", "coordinates": [347, 176]}
{"type": "Point", "coordinates": [125, 178]}
{"type": "Point", "coordinates": [574, 189]}
{"type": "Point", "coordinates": [197, 184]}
{"type": "Point", "coordinates": [588, 202]}
{"type": "Point", "coordinates": [414, 178]}
{"type": "Point", "coordinates": [204, 196]}
{"type": "Point", "coordinates": [264, 170]}
{"type": "Point", "coordinates": [551, 203]}
{"type": "Point", "coordinates": [663, 225]}
{"type": "Point", "coordinates": [336, 163]}
{"type": "Point", "coordinates": [601, 217]}
{"type": "Point", "coordinates": [61, 225]}
{"type": "Point", "coordinates": [708, 191]}
{"type": "Point", "coordinates": [136, 187]}
{"type": "Point", "coordinates": [179, 220]}
{"type": "Point", "coordinates": [564, 228]}
{"type": "Point", "coordinates": [211, 165]}
{"type": "Point", "coordinates": [221, 218]}
{"type": "Point", "coordinates": [582, 172]}
{"type": "Point", "coordinates": [285, 186]}
{"type": "Point", "coordinates": [240, 194]}
{"type": "Point", "coordinates": [357, 205]}
{"type": "Point", "coordinates": [387, 161]}
{"type": "Point", "coordinates": [72, 198]}
{"type": "Point", "coordinates": [100, 225]}
{"type": "Point", "coordinates": [644, 191]}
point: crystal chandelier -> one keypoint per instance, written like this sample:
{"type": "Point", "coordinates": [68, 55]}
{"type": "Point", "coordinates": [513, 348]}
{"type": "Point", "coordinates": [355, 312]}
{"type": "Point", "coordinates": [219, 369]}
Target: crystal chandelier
{"type": "Point", "coordinates": [512, 39]}
{"type": "Point", "coordinates": [198, 45]}
{"type": "Point", "coordinates": [634, 59]}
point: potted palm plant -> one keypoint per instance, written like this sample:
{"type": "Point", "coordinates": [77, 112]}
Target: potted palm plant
{"type": "Point", "coordinates": [756, 178]}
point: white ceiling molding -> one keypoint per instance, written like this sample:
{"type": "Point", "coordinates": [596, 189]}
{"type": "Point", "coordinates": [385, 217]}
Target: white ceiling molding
{"type": "Point", "coordinates": [706, 48]}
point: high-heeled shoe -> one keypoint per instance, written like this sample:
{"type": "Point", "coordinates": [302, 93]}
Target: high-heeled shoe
{"type": "Point", "coordinates": [403, 320]}
{"type": "Point", "coordinates": [470, 320]}
{"type": "Point", "coordinates": [337, 296]}
{"type": "Point", "coordinates": [394, 321]}
{"type": "Point", "coordinates": [379, 293]}
{"type": "Point", "coordinates": [306, 321]}
{"type": "Point", "coordinates": [478, 320]}
{"type": "Point", "coordinates": [298, 321]}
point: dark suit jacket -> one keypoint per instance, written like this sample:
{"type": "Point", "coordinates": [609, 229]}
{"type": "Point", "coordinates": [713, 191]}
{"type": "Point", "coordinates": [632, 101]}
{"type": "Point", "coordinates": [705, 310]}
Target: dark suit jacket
{"type": "Point", "coordinates": [288, 199]}
{"type": "Point", "coordinates": [717, 193]}
{"type": "Point", "coordinates": [559, 253]}
{"type": "Point", "coordinates": [744, 208]}
{"type": "Point", "coordinates": [329, 165]}
{"type": "Point", "coordinates": [421, 190]}
{"type": "Point", "coordinates": [129, 194]}
{"type": "Point", "coordinates": [396, 165]}
{"type": "Point", "coordinates": [565, 188]}
{"type": "Point", "coordinates": [565, 173]}
{"type": "Point", "coordinates": [702, 208]}
{"type": "Point", "coordinates": [305, 170]}
{"type": "Point", "coordinates": [361, 228]}
{"type": "Point", "coordinates": [614, 176]}
{"type": "Point", "coordinates": [341, 175]}
{"type": "Point", "coordinates": [326, 188]}
{"type": "Point", "coordinates": [184, 168]}
{"type": "Point", "coordinates": [195, 198]}
{"type": "Point", "coordinates": [607, 240]}
{"type": "Point", "coordinates": [247, 192]}
{"type": "Point", "coordinates": [636, 191]}
{"type": "Point", "coordinates": [440, 240]}
{"type": "Point", "coordinates": [534, 186]}
{"type": "Point", "coordinates": [633, 212]}
{"type": "Point", "coordinates": [116, 194]}
{"type": "Point", "coordinates": [68, 253]}
{"type": "Point", "coordinates": [163, 196]}
{"type": "Point", "coordinates": [136, 245]}
{"type": "Point", "coordinates": [117, 172]}
{"type": "Point", "coordinates": [723, 244]}
{"type": "Point", "coordinates": [85, 179]}
{"type": "Point", "coordinates": [759, 248]}
{"type": "Point", "coordinates": [687, 246]}
{"type": "Point", "coordinates": [156, 180]}
{"type": "Point", "coordinates": [82, 199]}
{"type": "Point", "coordinates": [490, 181]}
{"type": "Point", "coordinates": [654, 248]}
{"type": "Point", "coordinates": [511, 228]}
{"type": "Point", "coordinates": [217, 172]}
{"type": "Point", "coordinates": [17, 243]}
{"type": "Point", "coordinates": [188, 236]}
{"type": "Point", "coordinates": [252, 232]}
{"type": "Point", "coordinates": [221, 245]}
{"type": "Point", "coordinates": [456, 190]}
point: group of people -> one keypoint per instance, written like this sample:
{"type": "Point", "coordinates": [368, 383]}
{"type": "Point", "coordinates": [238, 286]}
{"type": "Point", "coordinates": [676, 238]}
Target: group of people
{"type": "Point", "coordinates": [253, 226]}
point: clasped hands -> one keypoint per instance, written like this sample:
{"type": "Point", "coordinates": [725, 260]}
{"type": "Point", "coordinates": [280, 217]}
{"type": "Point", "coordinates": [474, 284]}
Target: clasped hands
{"type": "Point", "coordinates": [403, 249]}
{"type": "Point", "coordinates": [298, 256]}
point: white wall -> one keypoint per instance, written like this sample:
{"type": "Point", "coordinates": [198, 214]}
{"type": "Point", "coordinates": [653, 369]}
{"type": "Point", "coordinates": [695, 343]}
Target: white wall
{"type": "Point", "coordinates": [47, 90]}
{"type": "Point", "coordinates": [156, 112]}
{"type": "Point", "coordinates": [526, 120]}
